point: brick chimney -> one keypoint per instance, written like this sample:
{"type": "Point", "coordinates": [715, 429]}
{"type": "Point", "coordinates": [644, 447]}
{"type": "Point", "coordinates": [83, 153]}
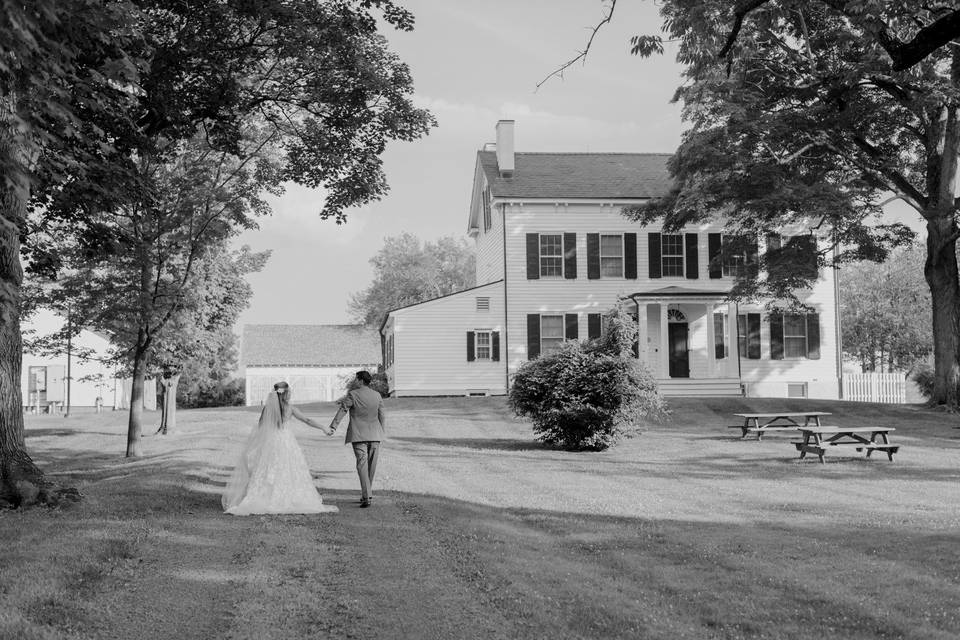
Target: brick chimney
{"type": "Point", "coordinates": [505, 148]}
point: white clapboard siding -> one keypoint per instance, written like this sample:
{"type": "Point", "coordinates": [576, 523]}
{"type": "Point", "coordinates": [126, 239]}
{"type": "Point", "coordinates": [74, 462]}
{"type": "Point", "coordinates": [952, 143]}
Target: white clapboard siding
{"type": "Point", "coordinates": [875, 387]}
{"type": "Point", "coordinates": [583, 296]}
{"type": "Point", "coordinates": [430, 348]}
{"type": "Point", "coordinates": [489, 248]}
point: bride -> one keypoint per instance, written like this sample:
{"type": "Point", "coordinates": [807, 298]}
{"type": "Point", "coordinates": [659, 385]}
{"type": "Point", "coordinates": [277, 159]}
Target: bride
{"type": "Point", "coordinates": [271, 474]}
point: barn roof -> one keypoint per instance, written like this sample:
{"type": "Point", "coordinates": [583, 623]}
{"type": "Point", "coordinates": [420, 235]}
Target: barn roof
{"type": "Point", "coordinates": [580, 175]}
{"type": "Point", "coordinates": [309, 345]}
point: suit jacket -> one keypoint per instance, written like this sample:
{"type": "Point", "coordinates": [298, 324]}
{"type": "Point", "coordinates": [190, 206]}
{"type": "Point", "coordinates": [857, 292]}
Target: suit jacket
{"type": "Point", "coordinates": [366, 415]}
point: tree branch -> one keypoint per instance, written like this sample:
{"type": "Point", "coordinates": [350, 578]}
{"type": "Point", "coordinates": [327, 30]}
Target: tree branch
{"type": "Point", "coordinates": [739, 13]}
{"type": "Point", "coordinates": [583, 54]}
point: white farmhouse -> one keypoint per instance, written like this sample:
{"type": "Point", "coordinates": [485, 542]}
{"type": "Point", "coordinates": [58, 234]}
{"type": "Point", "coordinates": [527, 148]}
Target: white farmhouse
{"type": "Point", "coordinates": [554, 253]}
{"type": "Point", "coordinates": [316, 360]}
{"type": "Point", "coordinates": [44, 384]}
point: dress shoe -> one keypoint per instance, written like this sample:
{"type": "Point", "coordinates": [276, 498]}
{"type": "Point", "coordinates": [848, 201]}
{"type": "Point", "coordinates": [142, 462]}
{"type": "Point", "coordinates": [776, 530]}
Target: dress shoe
{"type": "Point", "coordinates": [364, 503]}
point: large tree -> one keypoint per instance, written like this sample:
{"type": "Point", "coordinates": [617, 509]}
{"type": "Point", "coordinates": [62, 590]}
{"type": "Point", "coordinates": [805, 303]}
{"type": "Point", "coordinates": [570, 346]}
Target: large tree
{"type": "Point", "coordinates": [198, 341]}
{"type": "Point", "coordinates": [67, 67]}
{"type": "Point", "coordinates": [810, 113]}
{"type": "Point", "coordinates": [317, 79]}
{"type": "Point", "coordinates": [885, 311]}
{"type": "Point", "coordinates": [407, 270]}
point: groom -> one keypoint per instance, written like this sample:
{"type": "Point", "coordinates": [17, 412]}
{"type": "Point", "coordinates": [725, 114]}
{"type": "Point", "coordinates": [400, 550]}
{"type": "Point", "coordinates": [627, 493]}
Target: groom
{"type": "Point", "coordinates": [364, 431]}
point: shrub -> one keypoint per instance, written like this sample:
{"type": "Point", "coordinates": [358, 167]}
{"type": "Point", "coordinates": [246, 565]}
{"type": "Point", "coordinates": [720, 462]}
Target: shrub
{"type": "Point", "coordinates": [211, 393]}
{"type": "Point", "coordinates": [378, 382]}
{"type": "Point", "coordinates": [588, 396]}
{"type": "Point", "coordinates": [924, 376]}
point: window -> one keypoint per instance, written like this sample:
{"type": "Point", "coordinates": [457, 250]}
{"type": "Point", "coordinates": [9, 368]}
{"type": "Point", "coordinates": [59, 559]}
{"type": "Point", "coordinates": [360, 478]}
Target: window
{"type": "Point", "coordinates": [483, 304]}
{"type": "Point", "coordinates": [672, 254]}
{"type": "Point", "coordinates": [611, 256]}
{"type": "Point", "coordinates": [739, 252]}
{"type": "Point", "coordinates": [551, 333]}
{"type": "Point", "coordinates": [483, 345]}
{"type": "Point", "coordinates": [795, 336]}
{"type": "Point", "coordinates": [796, 389]}
{"type": "Point", "coordinates": [551, 254]}
{"type": "Point", "coordinates": [37, 379]}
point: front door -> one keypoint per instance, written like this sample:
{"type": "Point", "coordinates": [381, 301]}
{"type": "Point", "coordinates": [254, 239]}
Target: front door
{"type": "Point", "coordinates": [679, 350]}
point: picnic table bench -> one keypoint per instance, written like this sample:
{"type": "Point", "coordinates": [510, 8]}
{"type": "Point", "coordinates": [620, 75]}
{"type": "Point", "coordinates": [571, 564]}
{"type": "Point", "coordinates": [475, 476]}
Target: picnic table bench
{"type": "Point", "coordinates": [776, 421]}
{"type": "Point", "coordinates": [820, 439]}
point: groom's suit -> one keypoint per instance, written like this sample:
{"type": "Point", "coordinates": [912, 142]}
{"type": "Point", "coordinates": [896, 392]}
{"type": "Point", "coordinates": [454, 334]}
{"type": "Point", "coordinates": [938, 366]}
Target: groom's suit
{"type": "Point", "coordinates": [364, 432]}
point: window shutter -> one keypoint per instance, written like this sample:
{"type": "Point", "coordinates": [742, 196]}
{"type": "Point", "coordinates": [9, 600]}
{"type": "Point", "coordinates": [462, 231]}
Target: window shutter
{"type": "Point", "coordinates": [593, 256]}
{"type": "Point", "coordinates": [753, 336]}
{"type": "Point", "coordinates": [570, 256]}
{"type": "Point", "coordinates": [653, 244]}
{"type": "Point", "coordinates": [630, 256]}
{"type": "Point", "coordinates": [636, 336]}
{"type": "Point", "coordinates": [533, 335]}
{"type": "Point", "coordinates": [593, 326]}
{"type": "Point", "coordinates": [776, 336]}
{"type": "Point", "coordinates": [715, 253]}
{"type": "Point", "coordinates": [813, 336]}
{"type": "Point", "coordinates": [495, 347]}
{"type": "Point", "coordinates": [533, 256]}
{"type": "Point", "coordinates": [753, 256]}
{"type": "Point", "coordinates": [774, 257]}
{"type": "Point", "coordinates": [572, 326]}
{"type": "Point", "coordinates": [471, 356]}
{"type": "Point", "coordinates": [693, 259]}
{"type": "Point", "coordinates": [719, 351]}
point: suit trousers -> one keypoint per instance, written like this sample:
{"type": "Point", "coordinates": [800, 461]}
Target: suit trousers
{"type": "Point", "coordinates": [367, 454]}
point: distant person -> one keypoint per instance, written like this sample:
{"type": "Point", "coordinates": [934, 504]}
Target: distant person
{"type": "Point", "coordinates": [271, 475]}
{"type": "Point", "coordinates": [364, 431]}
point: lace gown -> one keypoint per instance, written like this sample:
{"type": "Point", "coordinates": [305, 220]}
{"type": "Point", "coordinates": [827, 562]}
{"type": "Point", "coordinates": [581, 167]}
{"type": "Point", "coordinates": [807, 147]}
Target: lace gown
{"type": "Point", "coordinates": [271, 474]}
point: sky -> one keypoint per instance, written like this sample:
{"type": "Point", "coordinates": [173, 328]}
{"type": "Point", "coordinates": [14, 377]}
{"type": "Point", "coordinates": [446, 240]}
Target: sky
{"type": "Point", "coordinates": [473, 63]}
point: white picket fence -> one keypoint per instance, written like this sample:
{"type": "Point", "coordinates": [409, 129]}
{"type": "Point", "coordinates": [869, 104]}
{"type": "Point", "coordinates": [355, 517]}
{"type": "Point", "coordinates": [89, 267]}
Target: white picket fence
{"type": "Point", "coordinates": [875, 387]}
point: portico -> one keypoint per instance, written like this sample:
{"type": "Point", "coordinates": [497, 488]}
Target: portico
{"type": "Point", "coordinates": [687, 334]}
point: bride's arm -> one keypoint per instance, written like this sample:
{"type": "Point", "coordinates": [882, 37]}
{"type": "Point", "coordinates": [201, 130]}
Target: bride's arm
{"type": "Point", "coordinates": [313, 423]}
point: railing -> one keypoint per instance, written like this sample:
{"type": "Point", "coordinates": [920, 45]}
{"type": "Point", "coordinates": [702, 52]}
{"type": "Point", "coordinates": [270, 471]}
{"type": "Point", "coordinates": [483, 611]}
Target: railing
{"type": "Point", "coordinates": [875, 387]}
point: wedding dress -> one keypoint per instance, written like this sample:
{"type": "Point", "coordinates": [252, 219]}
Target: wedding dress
{"type": "Point", "coordinates": [271, 474]}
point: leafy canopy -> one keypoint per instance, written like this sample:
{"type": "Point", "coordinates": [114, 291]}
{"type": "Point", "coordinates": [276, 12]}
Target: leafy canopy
{"type": "Point", "coordinates": [801, 115]}
{"type": "Point", "coordinates": [407, 270]}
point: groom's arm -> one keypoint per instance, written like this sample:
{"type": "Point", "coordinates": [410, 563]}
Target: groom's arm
{"type": "Point", "coordinates": [313, 423]}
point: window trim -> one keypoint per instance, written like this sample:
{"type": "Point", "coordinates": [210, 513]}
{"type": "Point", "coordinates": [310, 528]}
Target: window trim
{"type": "Point", "coordinates": [559, 256]}
{"type": "Point", "coordinates": [806, 337]}
{"type": "Point", "coordinates": [622, 257]}
{"type": "Point", "coordinates": [476, 344]}
{"type": "Point", "coordinates": [563, 331]}
{"type": "Point", "coordinates": [682, 255]}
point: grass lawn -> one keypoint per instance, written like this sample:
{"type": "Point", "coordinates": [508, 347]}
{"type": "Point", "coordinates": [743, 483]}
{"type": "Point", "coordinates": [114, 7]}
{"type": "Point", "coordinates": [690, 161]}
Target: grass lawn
{"type": "Point", "coordinates": [478, 532]}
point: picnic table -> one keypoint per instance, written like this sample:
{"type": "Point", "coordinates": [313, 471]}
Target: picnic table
{"type": "Point", "coordinates": [776, 421]}
{"type": "Point", "coordinates": [820, 439]}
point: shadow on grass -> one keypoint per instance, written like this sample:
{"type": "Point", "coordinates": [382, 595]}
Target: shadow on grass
{"type": "Point", "coordinates": [566, 575]}
{"type": "Point", "coordinates": [497, 444]}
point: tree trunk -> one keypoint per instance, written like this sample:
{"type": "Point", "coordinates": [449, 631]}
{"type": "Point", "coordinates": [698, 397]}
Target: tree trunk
{"type": "Point", "coordinates": [940, 271]}
{"type": "Point", "coordinates": [168, 422]}
{"type": "Point", "coordinates": [135, 425]}
{"type": "Point", "coordinates": [20, 479]}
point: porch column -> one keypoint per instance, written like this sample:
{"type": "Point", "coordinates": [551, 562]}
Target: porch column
{"type": "Point", "coordinates": [643, 351]}
{"type": "Point", "coordinates": [664, 342]}
{"type": "Point", "coordinates": [732, 370]}
{"type": "Point", "coordinates": [711, 344]}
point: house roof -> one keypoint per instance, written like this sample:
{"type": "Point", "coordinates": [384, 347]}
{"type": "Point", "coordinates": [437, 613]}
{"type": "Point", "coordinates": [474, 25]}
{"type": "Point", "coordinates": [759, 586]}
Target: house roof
{"type": "Point", "coordinates": [579, 175]}
{"type": "Point", "coordinates": [309, 345]}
